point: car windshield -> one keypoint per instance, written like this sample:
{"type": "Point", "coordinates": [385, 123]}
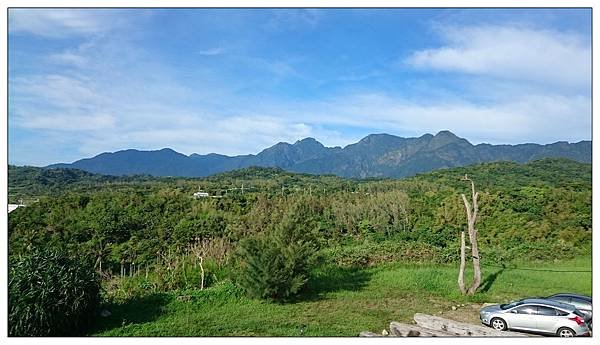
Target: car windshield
{"type": "Point", "coordinates": [510, 305]}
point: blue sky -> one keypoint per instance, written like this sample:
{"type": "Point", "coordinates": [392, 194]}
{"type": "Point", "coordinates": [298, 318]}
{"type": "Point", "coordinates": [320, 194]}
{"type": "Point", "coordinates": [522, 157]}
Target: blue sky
{"type": "Point", "coordinates": [235, 81]}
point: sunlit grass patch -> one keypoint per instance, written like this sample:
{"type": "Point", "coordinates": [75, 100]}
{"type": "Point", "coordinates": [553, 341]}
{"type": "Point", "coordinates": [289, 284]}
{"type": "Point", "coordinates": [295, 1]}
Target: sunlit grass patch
{"type": "Point", "coordinates": [340, 301]}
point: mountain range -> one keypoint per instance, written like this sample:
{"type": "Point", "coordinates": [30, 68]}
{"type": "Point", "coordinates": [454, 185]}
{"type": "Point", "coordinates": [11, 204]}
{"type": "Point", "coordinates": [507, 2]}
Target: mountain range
{"type": "Point", "coordinates": [376, 155]}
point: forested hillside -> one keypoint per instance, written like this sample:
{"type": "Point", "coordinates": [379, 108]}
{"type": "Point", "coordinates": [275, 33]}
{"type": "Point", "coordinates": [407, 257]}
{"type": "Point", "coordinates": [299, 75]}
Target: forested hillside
{"type": "Point", "coordinates": [268, 232]}
{"type": "Point", "coordinates": [540, 209]}
{"type": "Point", "coordinates": [28, 183]}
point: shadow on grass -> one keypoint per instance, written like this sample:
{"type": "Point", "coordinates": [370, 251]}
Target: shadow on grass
{"type": "Point", "coordinates": [490, 279]}
{"type": "Point", "coordinates": [331, 279]}
{"type": "Point", "coordinates": [135, 311]}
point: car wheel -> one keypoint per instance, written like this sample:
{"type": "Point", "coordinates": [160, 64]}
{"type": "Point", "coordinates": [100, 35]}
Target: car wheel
{"type": "Point", "coordinates": [498, 324]}
{"type": "Point", "coordinates": [565, 332]}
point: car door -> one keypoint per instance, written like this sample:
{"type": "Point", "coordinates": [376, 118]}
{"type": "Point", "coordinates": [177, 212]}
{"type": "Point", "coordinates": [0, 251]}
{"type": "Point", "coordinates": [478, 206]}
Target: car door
{"type": "Point", "coordinates": [523, 317]}
{"type": "Point", "coordinates": [546, 319]}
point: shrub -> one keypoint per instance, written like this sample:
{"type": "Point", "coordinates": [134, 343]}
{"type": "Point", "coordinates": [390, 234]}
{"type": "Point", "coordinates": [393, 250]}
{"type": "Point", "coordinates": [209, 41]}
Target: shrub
{"type": "Point", "coordinates": [273, 267]}
{"type": "Point", "coordinates": [51, 294]}
{"type": "Point", "coordinates": [370, 253]}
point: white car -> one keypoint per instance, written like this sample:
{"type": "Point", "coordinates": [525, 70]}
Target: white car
{"type": "Point", "coordinates": [536, 315]}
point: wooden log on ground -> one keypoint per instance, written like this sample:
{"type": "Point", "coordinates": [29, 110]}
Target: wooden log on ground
{"type": "Point", "coordinates": [367, 334]}
{"type": "Point", "coordinates": [461, 329]}
{"type": "Point", "coordinates": [398, 329]}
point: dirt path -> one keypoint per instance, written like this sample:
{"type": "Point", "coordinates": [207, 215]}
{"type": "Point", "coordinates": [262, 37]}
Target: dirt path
{"type": "Point", "coordinates": [464, 313]}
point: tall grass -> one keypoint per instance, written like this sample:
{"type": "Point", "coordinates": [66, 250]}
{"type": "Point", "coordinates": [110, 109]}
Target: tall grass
{"type": "Point", "coordinates": [51, 294]}
{"type": "Point", "coordinates": [340, 301]}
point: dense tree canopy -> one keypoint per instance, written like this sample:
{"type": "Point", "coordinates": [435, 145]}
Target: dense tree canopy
{"type": "Point", "coordinates": [537, 210]}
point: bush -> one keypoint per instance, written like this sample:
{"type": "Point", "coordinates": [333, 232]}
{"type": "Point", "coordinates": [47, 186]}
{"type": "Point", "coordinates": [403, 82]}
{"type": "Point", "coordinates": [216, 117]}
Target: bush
{"type": "Point", "coordinates": [369, 253]}
{"type": "Point", "coordinates": [51, 294]}
{"type": "Point", "coordinates": [273, 267]}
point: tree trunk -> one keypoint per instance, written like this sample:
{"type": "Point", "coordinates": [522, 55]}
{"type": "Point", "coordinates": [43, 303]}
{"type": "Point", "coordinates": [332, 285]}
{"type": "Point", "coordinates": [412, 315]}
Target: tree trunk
{"type": "Point", "coordinates": [461, 270]}
{"type": "Point", "coordinates": [367, 334]}
{"type": "Point", "coordinates": [183, 271]}
{"type": "Point", "coordinates": [472, 211]}
{"type": "Point", "coordinates": [398, 329]}
{"type": "Point", "coordinates": [476, 268]}
{"type": "Point", "coordinates": [460, 329]}
{"type": "Point", "coordinates": [201, 275]}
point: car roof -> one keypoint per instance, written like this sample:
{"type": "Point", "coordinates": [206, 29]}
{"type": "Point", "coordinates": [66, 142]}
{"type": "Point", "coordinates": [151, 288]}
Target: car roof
{"type": "Point", "coordinates": [549, 303]}
{"type": "Point", "coordinates": [566, 294]}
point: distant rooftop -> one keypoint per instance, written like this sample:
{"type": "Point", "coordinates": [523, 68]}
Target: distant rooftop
{"type": "Point", "coordinates": [12, 207]}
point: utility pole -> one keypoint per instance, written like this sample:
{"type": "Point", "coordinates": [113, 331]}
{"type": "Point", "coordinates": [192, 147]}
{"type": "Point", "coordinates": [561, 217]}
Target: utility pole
{"type": "Point", "coordinates": [242, 189]}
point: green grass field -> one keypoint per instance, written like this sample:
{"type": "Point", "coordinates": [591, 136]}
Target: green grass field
{"type": "Point", "coordinates": [338, 301]}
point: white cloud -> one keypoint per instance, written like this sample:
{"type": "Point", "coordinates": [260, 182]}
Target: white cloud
{"type": "Point", "coordinates": [61, 22]}
{"type": "Point", "coordinates": [221, 134]}
{"type": "Point", "coordinates": [74, 122]}
{"type": "Point", "coordinates": [68, 58]}
{"type": "Point", "coordinates": [54, 90]}
{"type": "Point", "coordinates": [561, 59]}
{"type": "Point", "coordinates": [538, 117]}
{"type": "Point", "coordinates": [128, 98]}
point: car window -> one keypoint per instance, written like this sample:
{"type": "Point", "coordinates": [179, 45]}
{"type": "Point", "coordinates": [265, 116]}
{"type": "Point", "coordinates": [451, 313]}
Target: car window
{"type": "Point", "coordinates": [510, 305]}
{"type": "Point", "coordinates": [578, 313]}
{"type": "Point", "coordinates": [546, 311]}
{"type": "Point", "coordinates": [561, 313]}
{"type": "Point", "coordinates": [579, 300]}
{"type": "Point", "coordinates": [527, 309]}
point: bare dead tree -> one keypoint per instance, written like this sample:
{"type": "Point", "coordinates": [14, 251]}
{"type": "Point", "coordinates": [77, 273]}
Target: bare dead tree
{"type": "Point", "coordinates": [199, 250]}
{"type": "Point", "coordinates": [214, 249]}
{"type": "Point", "coordinates": [472, 210]}
{"type": "Point", "coordinates": [461, 270]}
{"type": "Point", "coordinates": [201, 274]}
